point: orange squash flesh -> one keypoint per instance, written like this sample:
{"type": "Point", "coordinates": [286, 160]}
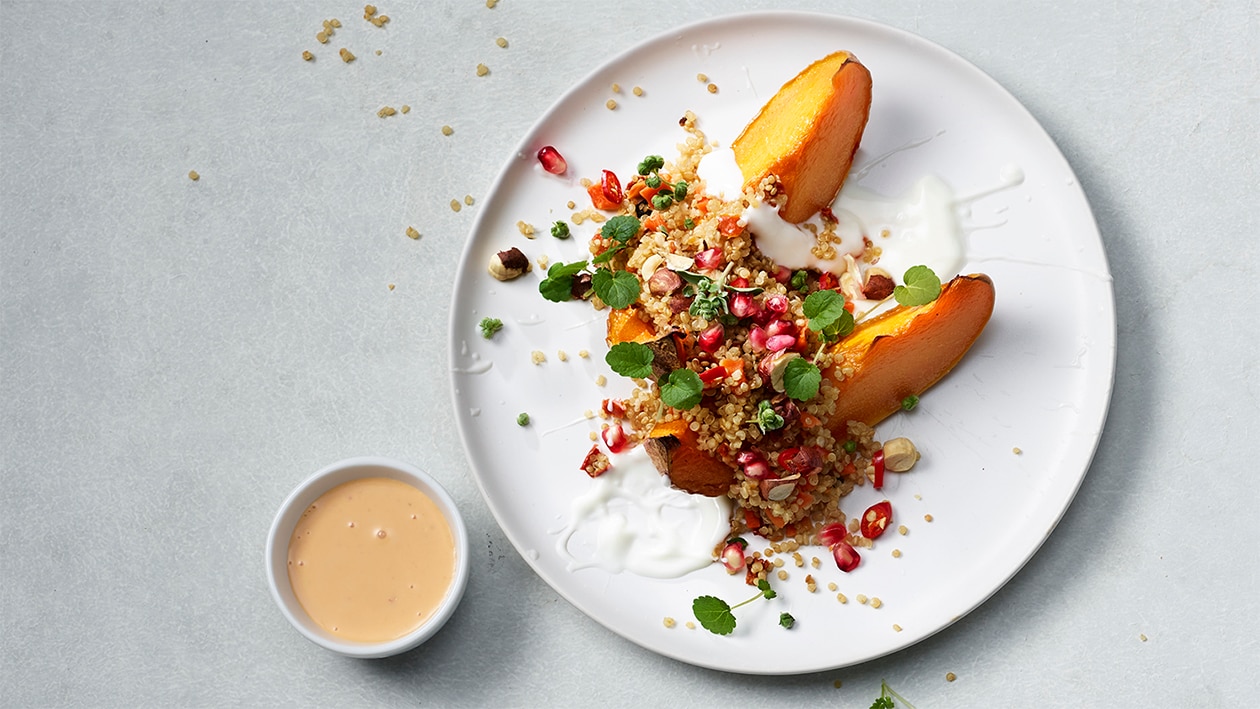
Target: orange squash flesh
{"type": "Point", "coordinates": [906, 350]}
{"type": "Point", "coordinates": [625, 325]}
{"type": "Point", "coordinates": [808, 133]}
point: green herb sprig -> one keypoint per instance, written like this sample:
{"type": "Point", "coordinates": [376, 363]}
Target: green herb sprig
{"type": "Point", "coordinates": [718, 617]}
{"type": "Point", "coordinates": [489, 326]}
{"type": "Point", "coordinates": [886, 697]}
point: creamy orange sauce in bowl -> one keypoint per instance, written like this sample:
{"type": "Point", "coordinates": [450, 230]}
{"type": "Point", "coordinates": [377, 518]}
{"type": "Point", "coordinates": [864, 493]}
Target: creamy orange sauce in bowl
{"type": "Point", "coordinates": [368, 557]}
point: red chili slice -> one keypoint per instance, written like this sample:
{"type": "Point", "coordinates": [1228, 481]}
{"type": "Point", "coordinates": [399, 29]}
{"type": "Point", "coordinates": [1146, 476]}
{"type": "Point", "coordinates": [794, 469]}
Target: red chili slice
{"type": "Point", "coordinates": [713, 374]}
{"type": "Point", "coordinates": [876, 519]}
{"type": "Point", "coordinates": [611, 187]}
{"type": "Point", "coordinates": [877, 461]}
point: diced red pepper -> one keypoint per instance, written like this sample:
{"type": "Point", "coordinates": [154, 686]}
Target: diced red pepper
{"type": "Point", "coordinates": [877, 461]}
{"type": "Point", "coordinates": [615, 408]}
{"type": "Point", "coordinates": [611, 186]}
{"type": "Point", "coordinates": [876, 519]}
{"type": "Point", "coordinates": [713, 374]}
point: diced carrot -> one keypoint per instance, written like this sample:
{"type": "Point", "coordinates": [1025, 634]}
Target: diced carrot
{"type": "Point", "coordinates": [596, 193]}
{"type": "Point", "coordinates": [751, 520]}
{"type": "Point", "coordinates": [809, 420]}
{"type": "Point", "coordinates": [652, 223]}
{"type": "Point", "coordinates": [805, 499]}
{"type": "Point", "coordinates": [702, 205]}
{"type": "Point", "coordinates": [777, 521]}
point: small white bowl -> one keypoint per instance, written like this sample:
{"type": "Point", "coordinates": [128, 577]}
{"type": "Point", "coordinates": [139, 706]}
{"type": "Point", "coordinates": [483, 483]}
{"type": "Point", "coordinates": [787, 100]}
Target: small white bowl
{"type": "Point", "coordinates": [309, 491]}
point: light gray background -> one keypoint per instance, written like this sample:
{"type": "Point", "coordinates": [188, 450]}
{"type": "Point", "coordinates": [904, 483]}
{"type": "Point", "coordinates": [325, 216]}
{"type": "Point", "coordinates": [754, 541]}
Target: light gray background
{"type": "Point", "coordinates": [176, 356]}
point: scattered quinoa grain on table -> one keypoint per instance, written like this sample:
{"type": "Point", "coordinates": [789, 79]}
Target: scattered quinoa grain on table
{"type": "Point", "coordinates": [346, 55]}
{"type": "Point", "coordinates": [405, 108]}
{"type": "Point", "coordinates": [927, 518]}
{"type": "Point", "coordinates": [386, 111]}
{"type": "Point", "coordinates": [669, 622]}
{"type": "Point", "coordinates": [482, 70]}
{"type": "Point", "coordinates": [861, 598]}
{"type": "Point", "coordinates": [334, 22]}
{"type": "Point", "coordinates": [491, 3]}
{"type": "Point", "coordinates": [896, 628]}
{"type": "Point", "coordinates": [468, 200]}
{"type": "Point", "coordinates": [712, 88]}
{"type": "Point", "coordinates": [610, 104]}
{"type": "Point", "coordinates": [842, 598]}
{"type": "Point", "coordinates": [1016, 450]}
{"type": "Point", "coordinates": [562, 355]}
{"type": "Point", "coordinates": [307, 56]}
{"type": "Point", "coordinates": [412, 233]}
{"type": "Point", "coordinates": [950, 676]}
{"type": "Point", "coordinates": [455, 206]}
{"type": "Point", "coordinates": [637, 91]}
{"type": "Point", "coordinates": [896, 553]}
{"type": "Point", "coordinates": [447, 130]}
{"type": "Point", "coordinates": [876, 603]}
{"type": "Point", "coordinates": [837, 684]}
{"type": "Point", "coordinates": [390, 286]}
{"type": "Point", "coordinates": [702, 78]}
{"type": "Point", "coordinates": [537, 357]}
{"type": "Point", "coordinates": [601, 380]}
{"type": "Point", "coordinates": [194, 175]}
{"type": "Point", "coordinates": [321, 37]}
{"type": "Point", "coordinates": [501, 41]}
{"type": "Point", "coordinates": [902, 530]}
{"type": "Point", "coordinates": [616, 88]}
{"type": "Point", "coordinates": [584, 354]}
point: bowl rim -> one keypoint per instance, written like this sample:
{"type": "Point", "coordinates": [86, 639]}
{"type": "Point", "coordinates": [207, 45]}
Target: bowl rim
{"type": "Point", "coordinates": [276, 554]}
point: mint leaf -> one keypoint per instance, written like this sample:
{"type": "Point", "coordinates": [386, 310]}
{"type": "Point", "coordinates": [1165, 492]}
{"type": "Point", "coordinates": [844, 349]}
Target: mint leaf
{"type": "Point", "coordinates": [922, 286]}
{"type": "Point", "coordinates": [630, 359]}
{"type": "Point", "coordinates": [823, 308]}
{"type": "Point", "coordinates": [558, 285]}
{"type": "Point", "coordinates": [714, 615]}
{"type": "Point", "coordinates": [618, 289]}
{"type": "Point", "coordinates": [621, 228]}
{"type": "Point", "coordinates": [801, 378]}
{"type": "Point", "coordinates": [682, 389]}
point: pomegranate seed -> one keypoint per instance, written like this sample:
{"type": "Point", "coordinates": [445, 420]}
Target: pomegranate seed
{"type": "Point", "coordinates": [611, 186]}
{"type": "Point", "coordinates": [876, 519]}
{"type": "Point", "coordinates": [738, 282]}
{"type": "Point", "coordinates": [614, 408]}
{"type": "Point", "coordinates": [615, 438]}
{"type": "Point", "coordinates": [709, 259]}
{"type": "Point", "coordinates": [743, 305]}
{"type": "Point", "coordinates": [783, 274]}
{"type": "Point", "coordinates": [833, 534]}
{"type": "Point", "coordinates": [754, 464]}
{"type": "Point", "coordinates": [596, 463]}
{"type": "Point", "coordinates": [733, 557]}
{"type": "Point", "coordinates": [711, 339]}
{"type": "Point", "coordinates": [781, 327]}
{"type": "Point", "coordinates": [552, 161]}
{"type": "Point", "coordinates": [846, 556]}
{"type": "Point", "coordinates": [828, 281]}
{"type": "Point", "coordinates": [778, 343]}
{"type": "Point", "coordinates": [777, 304]}
{"type": "Point", "coordinates": [757, 338]}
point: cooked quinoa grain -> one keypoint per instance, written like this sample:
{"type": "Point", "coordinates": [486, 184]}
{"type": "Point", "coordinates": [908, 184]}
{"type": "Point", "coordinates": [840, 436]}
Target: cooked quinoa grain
{"type": "Point", "coordinates": [482, 70]}
{"type": "Point", "coordinates": [537, 357]}
{"type": "Point", "coordinates": [412, 233]}
{"type": "Point", "coordinates": [307, 56]}
{"type": "Point", "coordinates": [637, 91]}
{"type": "Point", "coordinates": [346, 55]}
{"type": "Point", "coordinates": [194, 175]}
{"type": "Point", "coordinates": [610, 104]}
{"type": "Point", "coordinates": [447, 130]}
{"type": "Point", "coordinates": [502, 42]}
{"type": "Point", "coordinates": [455, 205]}
{"type": "Point", "coordinates": [669, 622]}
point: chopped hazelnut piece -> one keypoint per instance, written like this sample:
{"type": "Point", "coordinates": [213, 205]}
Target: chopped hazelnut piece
{"type": "Point", "coordinates": [508, 264]}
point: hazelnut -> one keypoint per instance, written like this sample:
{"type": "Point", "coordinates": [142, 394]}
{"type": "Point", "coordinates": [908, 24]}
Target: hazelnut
{"type": "Point", "coordinates": [900, 455]}
{"type": "Point", "coordinates": [509, 264]}
{"type": "Point", "coordinates": [879, 284]}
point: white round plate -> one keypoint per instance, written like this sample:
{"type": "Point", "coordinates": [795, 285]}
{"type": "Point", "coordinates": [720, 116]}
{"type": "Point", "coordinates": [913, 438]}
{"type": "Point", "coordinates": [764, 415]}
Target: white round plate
{"type": "Point", "coordinates": [1006, 437]}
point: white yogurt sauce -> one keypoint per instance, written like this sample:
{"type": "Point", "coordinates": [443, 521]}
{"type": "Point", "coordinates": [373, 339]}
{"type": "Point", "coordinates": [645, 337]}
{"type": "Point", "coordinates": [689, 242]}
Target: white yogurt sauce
{"type": "Point", "coordinates": [919, 227]}
{"type": "Point", "coordinates": [642, 525]}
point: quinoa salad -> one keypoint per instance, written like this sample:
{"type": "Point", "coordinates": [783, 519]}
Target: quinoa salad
{"type": "Point", "coordinates": [729, 352]}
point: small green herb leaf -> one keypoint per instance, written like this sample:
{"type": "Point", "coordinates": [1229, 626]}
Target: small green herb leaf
{"type": "Point", "coordinates": [630, 359]}
{"type": "Point", "coordinates": [910, 402]}
{"type": "Point", "coordinates": [766, 592]}
{"type": "Point", "coordinates": [682, 389]}
{"type": "Point", "coordinates": [767, 418]}
{"type": "Point", "coordinates": [522, 419]}
{"type": "Point", "coordinates": [560, 230]}
{"type": "Point", "coordinates": [618, 289]}
{"type": "Point", "coordinates": [922, 286]}
{"type": "Point", "coordinates": [714, 614]}
{"type": "Point", "coordinates": [558, 285]}
{"type": "Point", "coordinates": [608, 253]}
{"type": "Point", "coordinates": [621, 228]}
{"type": "Point", "coordinates": [823, 308]}
{"type": "Point", "coordinates": [786, 620]}
{"type": "Point", "coordinates": [801, 378]}
{"type": "Point", "coordinates": [489, 326]}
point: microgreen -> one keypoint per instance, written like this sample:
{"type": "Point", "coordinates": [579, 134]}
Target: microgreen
{"type": "Point", "coordinates": [560, 230]}
{"type": "Point", "coordinates": [689, 223]}
{"type": "Point", "coordinates": [618, 289]}
{"type": "Point", "coordinates": [909, 402]}
{"type": "Point", "coordinates": [558, 285]}
{"type": "Point", "coordinates": [922, 286]}
{"type": "Point", "coordinates": [718, 617]}
{"type": "Point", "coordinates": [680, 190]}
{"type": "Point", "coordinates": [653, 181]}
{"type": "Point", "coordinates": [682, 389]}
{"type": "Point", "coordinates": [621, 228]}
{"type": "Point", "coordinates": [767, 418]}
{"type": "Point", "coordinates": [886, 696]}
{"type": "Point", "coordinates": [522, 419]}
{"type": "Point", "coordinates": [662, 200]}
{"type": "Point", "coordinates": [801, 379]}
{"type": "Point", "coordinates": [709, 300]}
{"type": "Point", "coordinates": [489, 326]}
{"type": "Point", "coordinates": [786, 620]}
{"type": "Point", "coordinates": [630, 359]}
{"type": "Point", "coordinates": [799, 279]}
{"type": "Point", "coordinates": [651, 164]}
{"type": "Point", "coordinates": [827, 314]}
